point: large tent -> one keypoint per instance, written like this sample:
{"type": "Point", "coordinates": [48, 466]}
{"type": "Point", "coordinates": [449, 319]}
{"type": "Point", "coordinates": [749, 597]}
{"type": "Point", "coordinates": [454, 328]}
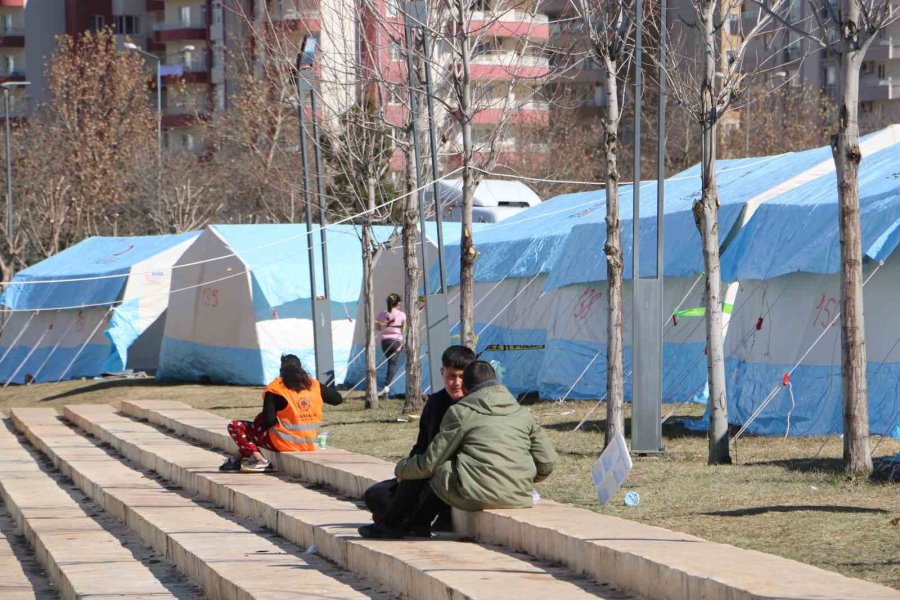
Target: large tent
{"type": "Point", "coordinates": [786, 318]}
{"type": "Point", "coordinates": [540, 280]}
{"type": "Point", "coordinates": [247, 300]}
{"type": "Point", "coordinates": [96, 307]}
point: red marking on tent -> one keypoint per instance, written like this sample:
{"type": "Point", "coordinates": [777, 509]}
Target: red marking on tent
{"type": "Point", "coordinates": [51, 327]}
{"type": "Point", "coordinates": [759, 324]}
{"type": "Point", "coordinates": [674, 320]}
{"type": "Point", "coordinates": [274, 314]}
{"type": "Point", "coordinates": [786, 379]}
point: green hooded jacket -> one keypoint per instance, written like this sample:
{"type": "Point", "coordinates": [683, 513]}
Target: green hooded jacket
{"type": "Point", "coordinates": [488, 453]}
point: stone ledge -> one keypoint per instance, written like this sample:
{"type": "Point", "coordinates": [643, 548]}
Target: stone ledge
{"type": "Point", "coordinates": [227, 560]}
{"type": "Point", "coordinates": [437, 568]}
{"type": "Point", "coordinates": [59, 531]}
{"type": "Point", "coordinates": [641, 559]}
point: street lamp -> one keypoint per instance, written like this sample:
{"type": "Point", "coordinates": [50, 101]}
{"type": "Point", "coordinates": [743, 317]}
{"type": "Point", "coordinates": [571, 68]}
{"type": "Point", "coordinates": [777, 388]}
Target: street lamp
{"type": "Point", "coordinates": [9, 85]}
{"type": "Point", "coordinates": [134, 47]}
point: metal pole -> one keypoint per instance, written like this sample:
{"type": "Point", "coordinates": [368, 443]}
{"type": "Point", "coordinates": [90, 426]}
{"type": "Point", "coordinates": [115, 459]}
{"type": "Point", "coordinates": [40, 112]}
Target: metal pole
{"type": "Point", "coordinates": [158, 137]}
{"type": "Point", "coordinates": [320, 193]}
{"type": "Point", "coordinates": [661, 140]}
{"type": "Point", "coordinates": [638, 93]}
{"type": "Point", "coordinates": [747, 131]}
{"type": "Point", "coordinates": [435, 170]}
{"type": "Point", "coordinates": [9, 202]}
{"type": "Point", "coordinates": [414, 115]}
{"type": "Point", "coordinates": [438, 314]}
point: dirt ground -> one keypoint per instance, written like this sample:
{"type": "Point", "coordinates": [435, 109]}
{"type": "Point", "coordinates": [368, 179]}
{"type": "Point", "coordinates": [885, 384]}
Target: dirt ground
{"type": "Point", "coordinates": [784, 496]}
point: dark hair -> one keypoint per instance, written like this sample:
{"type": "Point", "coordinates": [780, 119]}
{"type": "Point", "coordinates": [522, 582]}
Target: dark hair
{"type": "Point", "coordinates": [457, 357]}
{"type": "Point", "coordinates": [476, 373]}
{"type": "Point", "coordinates": [392, 301]}
{"type": "Point", "coordinates": [293, 375]}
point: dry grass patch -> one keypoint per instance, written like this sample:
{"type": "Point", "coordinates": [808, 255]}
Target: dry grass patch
{"type": "Point", "coordinates": [784, 496]}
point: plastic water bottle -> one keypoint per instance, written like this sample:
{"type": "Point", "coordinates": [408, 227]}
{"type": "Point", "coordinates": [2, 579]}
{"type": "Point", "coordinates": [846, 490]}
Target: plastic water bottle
{"type": "Point", "coordinates": [632, 499]}
{"type": "Point", "coordinates": [499, 371]}
{"type": "Point", "coordinates": [322, 439]}
{"type": "Point", "coordinates": [535, 497]}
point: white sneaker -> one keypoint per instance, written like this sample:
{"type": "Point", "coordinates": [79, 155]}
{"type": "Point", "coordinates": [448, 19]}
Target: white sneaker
{"type": "Point", "coordinates": [257, 466]}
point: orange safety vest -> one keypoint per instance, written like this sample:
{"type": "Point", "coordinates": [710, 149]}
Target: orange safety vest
{"type": "Point", "coordinates": [297, 425]}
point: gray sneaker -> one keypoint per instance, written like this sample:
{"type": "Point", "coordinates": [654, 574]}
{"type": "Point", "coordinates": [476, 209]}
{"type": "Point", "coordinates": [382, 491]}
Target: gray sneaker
{"type": "Point", "coordinates": [256, 466]}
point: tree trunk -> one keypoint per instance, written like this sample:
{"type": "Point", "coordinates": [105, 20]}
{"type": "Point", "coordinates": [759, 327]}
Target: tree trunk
{"type": "Point", "coordinates": [369, 298]}
{"type": "Point", "coordinates": [706, 216]}
{"type": "Point", "coordinates": [467, 247]}
{"type": "Point", "coordinates": [413, 403]}
{"type": "Point", "coordinates": [847, 157]}
{"type": "Point", "coordinates": [615, 381]}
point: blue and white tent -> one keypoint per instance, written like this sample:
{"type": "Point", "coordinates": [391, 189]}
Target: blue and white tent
{"type": "Point", "coordinates": [787, 259]}
{"type": "Point", "coordinates": [246, 300]}
{"type": "Point", "coordinates": [576, 346]}
{"type": "Point", "coordinates": [96, 307]}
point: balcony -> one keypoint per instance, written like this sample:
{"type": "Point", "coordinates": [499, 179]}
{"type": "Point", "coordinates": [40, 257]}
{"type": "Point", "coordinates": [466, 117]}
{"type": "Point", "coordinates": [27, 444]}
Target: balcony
{"type": "Point", "coordinates": [194, 71]}
{"type": "Point", "coordinates": [511, 23]}
{"type": "Point", "coordinates": [11, 76]}
{"type": "Point", "coordinates": [155, 5]}
{"type": "Point", "coordinates": [881, 49]}
{"type": "Point", "coordinates": [883, 89]}
{"type": "Point", "coordinates": [12, 3]}
{"type": "Point", "coordinates": [506, 65]}
{"type": "Point", "coordinates": [13, 37]}
{"type": "Point", "coordinates": [179, 31]}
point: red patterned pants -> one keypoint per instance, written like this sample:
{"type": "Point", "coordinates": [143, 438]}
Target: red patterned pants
{"type": "Point", "coordinates": [250, 436]}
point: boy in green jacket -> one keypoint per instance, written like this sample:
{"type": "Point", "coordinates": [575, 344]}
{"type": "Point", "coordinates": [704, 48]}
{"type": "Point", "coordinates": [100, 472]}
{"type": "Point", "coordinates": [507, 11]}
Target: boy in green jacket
{"type": "Point", "coordinates": [488, 454]}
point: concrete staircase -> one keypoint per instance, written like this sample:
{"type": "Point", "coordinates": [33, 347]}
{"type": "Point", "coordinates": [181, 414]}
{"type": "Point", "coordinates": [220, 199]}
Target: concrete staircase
{"type": "Point", "coordinates": [149, 465]}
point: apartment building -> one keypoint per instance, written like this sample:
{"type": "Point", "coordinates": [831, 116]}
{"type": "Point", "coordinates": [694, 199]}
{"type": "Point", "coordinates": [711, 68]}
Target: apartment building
{"type": "Point", "coordinates": [194, 40]}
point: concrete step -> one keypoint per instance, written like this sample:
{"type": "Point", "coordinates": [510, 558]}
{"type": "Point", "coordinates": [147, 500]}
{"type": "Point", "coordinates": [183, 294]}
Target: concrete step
{"type": "Point", "coordinates": [16, 581]}
{"type": "Point", "coordinates": [229, 561]}
{"type": "Point", "coordinates": [648, 561]}
{"type": "Point", "coordinates": [437, 568]}
{"type": "Point", "coordinates": [346, 472]}
{"type": "Point", "coordinates": [60, 531]}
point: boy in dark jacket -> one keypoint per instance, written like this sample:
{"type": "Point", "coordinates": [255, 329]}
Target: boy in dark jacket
{"type": "Point", "coordinates": [488, 453]}
{"type": "Point", "coordinates": [392, 502]}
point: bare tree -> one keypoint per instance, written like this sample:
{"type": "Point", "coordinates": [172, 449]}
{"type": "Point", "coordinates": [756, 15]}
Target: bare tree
{"type": "Point", "coordinates": [846, 30]}
{"type": "Point", "coordinates": [707, 92]}
{"type": "Point", "coordinates": [611, 26]}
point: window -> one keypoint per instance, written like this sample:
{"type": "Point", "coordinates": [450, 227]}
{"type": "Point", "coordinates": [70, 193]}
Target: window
{"type": "Point", "coordinates": [128, 25]}
{"type": "Point", "coordinates": [7, 23]}
{"type": "Point", "coordinates": [96, 23]}
{"type": "Point", "coordinates": [184, 14]}
{"type": "Point", "coordinates": [187, 142]}
{"type": "Point", "coordinates": [394, 50]}
{"type": "Point", "coordinates": [390, 8]}
{"type": "Point", "coordinates": [881, 71]}
{"type": "Point", "coordinates": [9, 64]}
{"type": "Point", "coordinates": [734, 23]}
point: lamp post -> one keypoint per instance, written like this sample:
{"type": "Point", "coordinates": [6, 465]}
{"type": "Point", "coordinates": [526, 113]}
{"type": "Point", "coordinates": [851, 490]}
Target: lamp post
{"type": "Point", "coordinates": [321, 306]}
{"type": "Point", "coordinates": [135, 48]}
{"type": "Point", "coordinates": [9, 85]}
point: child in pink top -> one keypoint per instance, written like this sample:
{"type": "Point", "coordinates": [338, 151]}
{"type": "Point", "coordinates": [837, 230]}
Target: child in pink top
{"type": "Point", "coordinates": [391, 323]}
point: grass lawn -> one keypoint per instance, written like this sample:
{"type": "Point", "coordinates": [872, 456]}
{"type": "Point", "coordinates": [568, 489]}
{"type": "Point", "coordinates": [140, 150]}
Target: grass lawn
{"type": "Point", "coordinates": [783, 496]}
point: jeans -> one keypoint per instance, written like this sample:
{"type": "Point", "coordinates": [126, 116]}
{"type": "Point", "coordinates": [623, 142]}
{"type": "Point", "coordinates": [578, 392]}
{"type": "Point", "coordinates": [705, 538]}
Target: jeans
{"type": "Point", "coordinates": [391, 349]}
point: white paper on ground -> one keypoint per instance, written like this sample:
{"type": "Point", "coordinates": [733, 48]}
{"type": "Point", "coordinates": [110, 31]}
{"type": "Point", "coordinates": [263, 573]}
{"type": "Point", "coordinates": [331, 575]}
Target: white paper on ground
{"type": "Point", "coordinates": [611, 469]}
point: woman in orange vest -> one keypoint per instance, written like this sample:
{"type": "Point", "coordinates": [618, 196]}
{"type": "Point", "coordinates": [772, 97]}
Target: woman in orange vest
{"type": "Point", "coordinates": [289, 422]}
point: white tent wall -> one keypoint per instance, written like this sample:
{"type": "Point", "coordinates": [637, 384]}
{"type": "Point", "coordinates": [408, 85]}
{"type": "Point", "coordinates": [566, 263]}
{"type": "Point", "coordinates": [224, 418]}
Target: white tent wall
{"type": "Point", "coordinates": [778, 321]}
{"type": "Point", "coordinates": [210, 332]}
{"type": "Point", "coordinates": [218, 327]}
{"type": "Point", "coordinates": [137, 323]}
{"type": "Point", "coordinates": [574, 363]}
{"type": "Point", "coordinates": [389, 277]}
{"type": "Point", "coordinates": [512, 317]}
{"type": "Point", "coordinates": [53, 344]}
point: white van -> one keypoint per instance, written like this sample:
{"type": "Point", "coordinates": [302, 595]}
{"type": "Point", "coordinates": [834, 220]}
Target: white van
{"type": "Point", "coordinates": [495, 199]}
